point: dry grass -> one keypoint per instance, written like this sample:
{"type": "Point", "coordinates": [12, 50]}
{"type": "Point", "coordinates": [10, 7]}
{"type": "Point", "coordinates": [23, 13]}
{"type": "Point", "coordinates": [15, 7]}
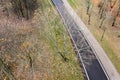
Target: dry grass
{"type": "Point", "coordinates": [30, 49]}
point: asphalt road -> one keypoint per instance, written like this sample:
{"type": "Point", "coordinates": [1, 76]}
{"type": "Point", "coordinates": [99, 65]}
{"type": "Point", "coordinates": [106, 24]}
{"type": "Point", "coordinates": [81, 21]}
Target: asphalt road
{"type": "Point", "coordinates": [91, 65]}
{"type": "Point", "coordinates": [98, 50]}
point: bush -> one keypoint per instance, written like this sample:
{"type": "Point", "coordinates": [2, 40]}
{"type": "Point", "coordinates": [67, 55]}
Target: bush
{"type": "Point", "coordinates": [24, 8]}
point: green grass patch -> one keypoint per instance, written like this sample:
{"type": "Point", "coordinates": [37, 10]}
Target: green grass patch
{"type": "Point", "coordinates": [57, 38]}
{"type": "Point", "coordinates": [111, 55]}
{"type": "Point", "coordinates": [73, 3]}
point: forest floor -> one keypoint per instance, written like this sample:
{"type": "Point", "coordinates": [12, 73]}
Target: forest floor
{"type": "Point", "coordinates": [111, 40]}
{"type": "Point", "coordinates": [32, 49]}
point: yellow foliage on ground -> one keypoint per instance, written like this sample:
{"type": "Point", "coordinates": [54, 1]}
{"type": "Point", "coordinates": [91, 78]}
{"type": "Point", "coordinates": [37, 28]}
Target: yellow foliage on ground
{"type": "Point", "coordinates": [26, 44]}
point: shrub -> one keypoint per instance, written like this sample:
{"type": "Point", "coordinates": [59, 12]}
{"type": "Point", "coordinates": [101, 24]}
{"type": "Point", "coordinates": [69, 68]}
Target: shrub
{"type": "Point", "coordinates": [24, 8]}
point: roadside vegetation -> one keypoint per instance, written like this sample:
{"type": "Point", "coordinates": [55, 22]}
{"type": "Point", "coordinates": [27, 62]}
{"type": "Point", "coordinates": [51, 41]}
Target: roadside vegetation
{"type": "Point", "coordinates": [37, 46]}
{"type": "Point", "coordinates": [103, 20]}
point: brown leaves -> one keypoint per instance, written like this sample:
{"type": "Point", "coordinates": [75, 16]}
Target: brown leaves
{"type": "Point", "coordinates": [26, 44]}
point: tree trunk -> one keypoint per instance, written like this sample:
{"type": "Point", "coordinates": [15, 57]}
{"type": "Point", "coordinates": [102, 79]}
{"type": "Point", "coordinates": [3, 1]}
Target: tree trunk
{"type": "Point", "coordinates": [103, 34]}
{"type": "Point", "coordinates": [88, 7]}
{"type": "Point", "coordinates": [101, 14]}
{"type": "Point", "coordinates": [111, 6]}
{"type": "Point", "coordinates": [89, 19]}
{"type": "Point", "coordinates": [102, 22]}
{"type": "Point", "coordinates": [100, 5]}
{"type": "Point", "coordinates": [115, 18]}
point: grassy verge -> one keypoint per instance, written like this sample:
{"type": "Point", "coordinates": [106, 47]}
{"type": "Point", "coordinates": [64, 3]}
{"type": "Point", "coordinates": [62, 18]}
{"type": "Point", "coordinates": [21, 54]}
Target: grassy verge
{"type": "Point", "coordinates": [107, 42]}
{"type": "Point", "coordinates": [63, 61]}
{"type": "Point", "coordinates": [73, 3]}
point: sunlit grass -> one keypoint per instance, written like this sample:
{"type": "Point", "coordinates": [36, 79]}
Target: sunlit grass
{"type": "Point", "coordinates": [57, 37]}
{"type": "Point", "coordinates": [73, 3]}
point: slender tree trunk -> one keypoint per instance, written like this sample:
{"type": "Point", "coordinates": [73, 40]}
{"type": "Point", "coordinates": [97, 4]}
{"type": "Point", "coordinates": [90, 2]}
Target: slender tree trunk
{"type": "Point", "coordinates": [100, 7]}
{"type": "Point", "coordinates": [115, 18]}
{"type": "Point", "coordinates": [89, 19]}
{"type": "Point", "coordinates": [113, 4]}
{"type": "Point", "coordinates": [103, 8]}
{"type": "Point", "coordinates": [103, 34]}
{"type": "Point", "coordinates": [110, 3]}
{"type": "Point", "coordinates": [102, 22]}
{"type": "Point", "coordinates": [21, 9]}
{"type": "Point", "coordinates": [101, 14]}
{"type": "Point", "coordinates": [27, 5]}
{"type": "Point", "coordinates": [88, 7]}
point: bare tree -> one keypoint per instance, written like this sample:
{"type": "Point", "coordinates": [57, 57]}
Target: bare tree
{"type": "Point", "coordinates": [88, 6]}
{"type": "Point", "coordinates": [104, 30]}
{"type": "Point", "coordinates": [89, 10]}
{"type": "Point", "coordinates": [117, 14]}
{"type": "Point", "coordinates": [102, 8]}
{"type": "Point", "coordinates": [100, 5]}
{"type": "Point", "coordinates": [102, 22]}
{"type": "Point", "coordinates": [112, 3]}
